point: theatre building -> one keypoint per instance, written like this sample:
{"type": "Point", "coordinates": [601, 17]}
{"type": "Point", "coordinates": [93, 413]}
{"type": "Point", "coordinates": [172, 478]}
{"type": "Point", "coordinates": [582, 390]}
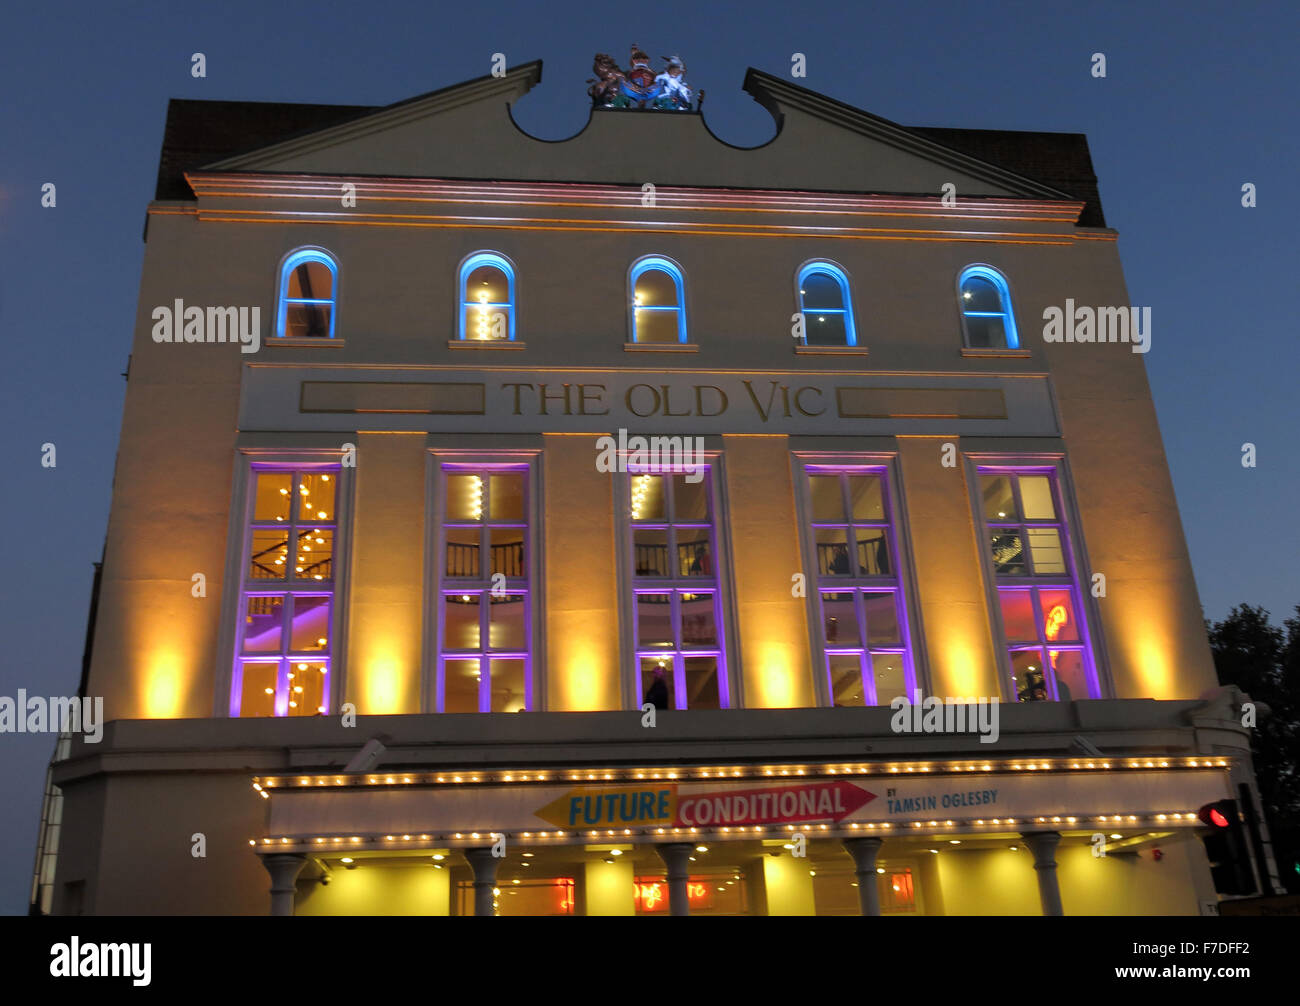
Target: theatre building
{"type": "Point", "coordinates": [527, 527]}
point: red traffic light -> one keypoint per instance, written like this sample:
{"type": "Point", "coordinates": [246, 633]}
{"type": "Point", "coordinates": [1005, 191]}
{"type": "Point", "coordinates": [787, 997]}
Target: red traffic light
{"type": "Point", "coordinates": [1217, 819]}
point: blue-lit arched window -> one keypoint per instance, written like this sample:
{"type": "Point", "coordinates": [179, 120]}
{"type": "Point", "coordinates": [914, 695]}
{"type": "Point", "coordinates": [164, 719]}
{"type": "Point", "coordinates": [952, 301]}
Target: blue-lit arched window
{"type": "Point", "coordinates": [308, 295]}
{"type": "Point", "coordinates": [658, 301]}
{"type": "Point", "coordinates": [986, 316]}
{"type": "Point", "coordinates": [826, 306]}
{"type": "Point", "coordinates": [487, 298]}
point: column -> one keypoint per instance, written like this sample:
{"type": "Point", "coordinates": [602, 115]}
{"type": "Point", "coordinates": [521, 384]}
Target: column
{"type": "Point", "coordinates": [1043, 845]}
{"type": "Point", "coordinates": [484, 865]}
{"type": "Point", "coordinates": [677, 857]}
{"type": "Point", "coordinates": [284, 868]}
{"type": "Point", "coordinates": [864, 852]}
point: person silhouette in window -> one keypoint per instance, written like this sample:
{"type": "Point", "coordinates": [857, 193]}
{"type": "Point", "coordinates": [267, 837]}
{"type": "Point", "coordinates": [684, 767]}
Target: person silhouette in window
{"type": "Point", "coordinates": [700, 565]}
{"type": "Point", "coordinates": [657, 694]}
{"type": "Point", "coordinates": [840, 560]}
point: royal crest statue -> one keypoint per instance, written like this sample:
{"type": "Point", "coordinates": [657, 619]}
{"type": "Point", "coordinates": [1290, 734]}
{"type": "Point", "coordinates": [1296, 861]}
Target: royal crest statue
{"type": "Point", "coordinates": [639, 87]}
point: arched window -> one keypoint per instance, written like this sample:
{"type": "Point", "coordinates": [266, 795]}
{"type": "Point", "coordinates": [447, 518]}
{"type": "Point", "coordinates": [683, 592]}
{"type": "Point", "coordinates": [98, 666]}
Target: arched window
{"type": "Point", "coordinates": [826, 306]}
{"type": "Point", "coordinates": [308, 291]}
{"type": "Point", "coordinates": [487, 298]}
{"type": "Point", "coordinates": [986, 316]}
{"type": "Point", "coordinates": [658, 301]}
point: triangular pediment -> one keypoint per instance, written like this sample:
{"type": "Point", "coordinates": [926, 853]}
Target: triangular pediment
{"type": "Point", "coordinates": [467, 132]}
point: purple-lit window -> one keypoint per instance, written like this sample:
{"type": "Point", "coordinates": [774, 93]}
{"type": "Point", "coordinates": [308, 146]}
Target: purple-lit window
{"type": "Point", "coordinates": [282, 663]}
{"type": "Point", "coordinates": [862, 616]}
{"type": "Point", "coordinates": [677, 618]}
{"type": "Point", "coordinates": [484, 607]}
{"type": "Point", "coordinates": [1037, 588]}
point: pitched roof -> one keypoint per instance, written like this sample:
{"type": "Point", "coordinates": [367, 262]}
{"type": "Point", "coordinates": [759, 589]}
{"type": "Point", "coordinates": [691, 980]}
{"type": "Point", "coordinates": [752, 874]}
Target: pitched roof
{"type": "Point", "coordinates": [199, 133]}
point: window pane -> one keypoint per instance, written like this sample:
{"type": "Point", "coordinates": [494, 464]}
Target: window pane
{"type": "Point", "coordinates": [821, 289]}
{"type": "Point", "coordinates": [702, 683]}
{"type": "Point", "coordinates": [655, 288]}
{"type": "Point", "coordinates": [257, 697]}
{"type": "Point", "coordinates": [654, 625]}
{"type": "Point", "coordinates": [506, 554]}
{"type": "Point", "coordinates": [487, 285]}
{"type": "Point", "coordinates": [315, 554]}
{"type": "Point", "coordinates": [887, 669]}
{"type": "Point", "coordinates": [690, 499]}
{"type": "Point", "coordinates": [1071, 678]}
{"type": "Point", "coordinates": [273, 489]}
{"type": "Point", "coordinates": [845, 675]}
{"type": "Point", "coordinates": [1027, 675]}
{"type": "Point", "coordinates": [985, 332]}
{"type": "Point", "coordinates": [648, 497]}
{"type": "Point", "coordinates": [507, 685]}
{"type": "Point", "coordinates": [650, 548]}
{"type": "Point", "coordinates": [462, 551]}
{"type": "Point", "coordinates": [484, 323]}
{"type": "Point", "coordinates": [832, 552]}
{"type": "Point", "coordinates": [460, 686]}
{"type": "Point", "coordinates": [1036, 496]}
{"type": "Point", "coordinates": [507, 630]}
{"type": "Point", "coordinates": [1018, 616]}
{"type": "Point", "coordinates": [840, 620]}
{"type": "Point", "coordinates": [269, 555]}
{"type": "Point", "coordinates": [1045, 549]}
{"type": "Point", "coordinates": [882, 619]}
{"type": "Point", "coordinates": [1008, 555]}
{"type": "Point", "coordinates": [1060, 623]}
{"type": "Point", "coordinates": [461, 630]}
{"type": "Point", "coordinates": [464, 498]}
{"type": "Point", "coordinates": [978, 294]}
{"type": "Point", "coordinates": [999, 503]}
{"type": "Point", "coordinates": [698, 625]}
{"type": "Point", "coordinates": [306, 688]}
{"type": "Point", "coordinates": [307, 321]}
{"type": "Point", "coordinates": [506, 496]}
{"type": "Point", "coordinates": [263, 624]}
{"type": "Point", "coordinates": [311, 624]}
{"type": "Point", "coordinates": [311, 281]}
{"type": "Point", "coordinates": [866, 497]}
{"type": "Point", "coordinates": [694, 555]}
{"type": "Point", "coordinates": [316, 496]}
{"type": "Point", "coordinates": [656, 326]}
{"type": "Point", "coordinates": [825, 329]}
{"type": "Point", "coordinates": [873, 551]}
{"type": "Point", "coordinates": [827, 507]}
{"type": "Point", "coordinates": [657, 681]}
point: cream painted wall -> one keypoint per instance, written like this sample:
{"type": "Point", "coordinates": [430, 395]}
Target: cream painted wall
{"type": "Point", "coordinates": [386, 601]}
{"type": "Point", "coordinates": [772, 623]}
{"type": "Point", "coordinates": [418, 889]}
{"type": "Point", "coordinates": [954, 608]}
{"type": "Point", "coordinates": [610, 887]}
{"type": "Point", "coordinates": [583, 661]}
{"type": "Point", "coordinates": [789, 886]}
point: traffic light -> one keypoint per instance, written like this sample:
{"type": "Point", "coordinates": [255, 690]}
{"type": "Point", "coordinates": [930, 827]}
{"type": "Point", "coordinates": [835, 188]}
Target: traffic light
{"type": "Point", "coordinates": [1226, 848]}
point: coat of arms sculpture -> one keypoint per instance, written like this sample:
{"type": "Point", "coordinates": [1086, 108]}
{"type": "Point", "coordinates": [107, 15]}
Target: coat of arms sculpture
{"type": "Point", "coordinates": [639, 87]}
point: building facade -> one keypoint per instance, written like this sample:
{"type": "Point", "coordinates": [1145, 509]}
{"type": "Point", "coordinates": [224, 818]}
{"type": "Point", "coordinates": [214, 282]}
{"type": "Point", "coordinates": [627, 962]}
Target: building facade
{"type": "Point", "coordinates": [534, 527]}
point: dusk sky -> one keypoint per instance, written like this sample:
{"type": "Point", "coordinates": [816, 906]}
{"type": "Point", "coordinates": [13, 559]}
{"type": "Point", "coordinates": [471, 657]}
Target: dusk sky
{"type": "Point", "coordinates": [1198, 99]}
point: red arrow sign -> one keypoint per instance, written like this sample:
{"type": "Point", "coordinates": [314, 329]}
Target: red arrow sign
{"type": "Point", "coordinates": [818, 801]}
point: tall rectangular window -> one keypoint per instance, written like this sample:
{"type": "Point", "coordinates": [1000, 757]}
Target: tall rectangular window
{"type": "Point", "coordinates": [1037, 587]}
{"type": "Point", "coordinates": [484, 604]}
{"type": "Point", "coordinates": [862, 615]}
{"type": "Point", "coordinates": [286, 605]}
{"type": "Point", "coordinates": [679, 636]}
